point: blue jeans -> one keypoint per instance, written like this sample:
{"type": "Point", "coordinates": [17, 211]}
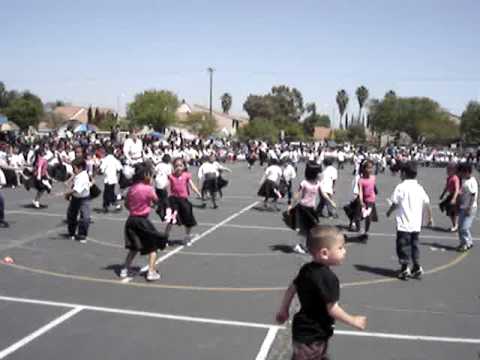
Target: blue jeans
{"type": "Point", "coordinates": [464, 225]}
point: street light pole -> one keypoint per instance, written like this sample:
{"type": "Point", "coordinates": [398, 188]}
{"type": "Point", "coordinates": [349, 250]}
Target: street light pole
{"type": "Point", "coordinates": [211, 70]}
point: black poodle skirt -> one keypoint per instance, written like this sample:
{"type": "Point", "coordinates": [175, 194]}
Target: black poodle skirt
{"type": "Point", "coordinates": [10, 177]}
{"type": "Point", "coordinates": [267, 190]}
{"type": "Point", "coordinates": [354, 210]}
{"type": "Point", "coordinates": [210, 185]}
{"type": "Point", "coordinates": [184, 210]}
{"type": "Point", "coordinates": [301, 218]}
{"type": "Point", "coordinates": [142, 236]}
{"type": "Point", "coordinates": [40, 186]}
{"type": "Point", "coordinates": [373, 215]}
{"type": "Point", "coordinates": [58, 172]}
{"type": "Point", "coordinates": [449, 209]}
{"type": "Point", "coordinates": [221, 182]}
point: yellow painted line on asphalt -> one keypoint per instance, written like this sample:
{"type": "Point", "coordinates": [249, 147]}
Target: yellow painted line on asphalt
{"type": "Point", "coordinates": [450, 264]}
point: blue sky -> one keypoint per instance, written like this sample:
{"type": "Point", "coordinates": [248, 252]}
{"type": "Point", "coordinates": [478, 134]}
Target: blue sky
{"type": "Point", "coordinates": [100, 52]}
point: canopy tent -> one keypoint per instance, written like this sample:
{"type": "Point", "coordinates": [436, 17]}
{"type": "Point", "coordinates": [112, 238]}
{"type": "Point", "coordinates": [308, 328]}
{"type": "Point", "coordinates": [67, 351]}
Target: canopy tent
{"type": "Point", "coordinates": [84, 128]}
{"type": "Point", "coordinates": [9, 126]}
{"type": "Point", "coordinates": [3, 119]}
{"type": "Point", "coordinates": [157, 135]}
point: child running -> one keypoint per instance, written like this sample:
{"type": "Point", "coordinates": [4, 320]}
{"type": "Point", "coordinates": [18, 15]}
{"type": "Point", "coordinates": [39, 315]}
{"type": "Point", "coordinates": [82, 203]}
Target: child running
{"type": "Point", "coordinates": [303, 214]}
{"type": "Point", "coordinates": [181, 211]}
{"type": "Point", "coordinates": [140, 234]}
{"type": "Point", "coordinates": [408, 201]}
{"type": "Point", "coordinates": [367, 191]}
{"type": "Point", "coordinates": [318, 291]}
{"type": "Point", "coordinates": [467, 205]}
{"type": "Point", "coordinates": [269, 184]}
{"type": "Point", "coordinates": [452, 187]}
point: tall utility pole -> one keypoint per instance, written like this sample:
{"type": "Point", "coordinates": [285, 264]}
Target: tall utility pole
{"type": "Point", "coordinates": [210, 71]}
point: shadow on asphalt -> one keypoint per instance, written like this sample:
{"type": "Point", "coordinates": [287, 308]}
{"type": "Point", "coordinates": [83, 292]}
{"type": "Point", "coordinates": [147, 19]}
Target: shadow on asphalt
{"type": "Point", "coordinates": [440, 246]}
{"type": "Point", "coordinates": [377, 270]}
{"type": "Point", "coordinates": [284, 248]}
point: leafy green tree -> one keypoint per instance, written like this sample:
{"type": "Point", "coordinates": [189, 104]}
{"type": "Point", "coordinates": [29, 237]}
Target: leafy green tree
{"type": "Point", "coordinates": [3, 96]}
{"type": "Point", "coordinates": [153, 108]}
{"type": "Point", "coordinates": [362, 96]}
{"type": "Point", "coordinates": [90, 115]}
{"type": "Point", "coordinates": [420, 118]}
{"type": "Point", "coordinates": [258, 106]}
{"type": "Point", "coordinates": [470, 122]}
{"type": "Point", "coordinates": [226, 102]}
{"type": "Point", "coordinates": [281, 104]}
{"type": "Point", "coordinates": [201, 123]}
{"type": "Point", "coordinates": [342, 102]}
{"type": "Point", "coordinates": [314, 119]}
{"type": "Point", "coordinates": [356, 134]}
{"type": "Point", "coordinates": [25, 110]}
{"type": "Point", "coordinates": [110, 120]}
{"type": "Point", "coordinates": [263, 129]}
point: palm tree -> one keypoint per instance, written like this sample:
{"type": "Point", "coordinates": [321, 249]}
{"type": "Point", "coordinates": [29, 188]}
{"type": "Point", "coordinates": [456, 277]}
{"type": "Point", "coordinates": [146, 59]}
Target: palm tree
{"type": "Point", "coordinates": [342, 102]}
{"type": "Point", "coordinates": [226, 102]}
{"type": "Point", "coordinates": [362, 96]}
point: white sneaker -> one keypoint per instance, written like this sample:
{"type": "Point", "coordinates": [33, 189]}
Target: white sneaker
{"type": "Point", "coordinates": [123, 273]}
{"type": "Point", "coordinates": [189, 239]}
{"type": "Point", "coordinates": [299, 249]}
{"type": "Point", "coordinates": [152, 276]}
{"type": "Point", "coordinates": [36, 204]}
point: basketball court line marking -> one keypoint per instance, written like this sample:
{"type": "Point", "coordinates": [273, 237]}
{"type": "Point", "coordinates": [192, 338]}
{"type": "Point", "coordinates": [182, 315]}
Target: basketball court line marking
{"type": "Point", "coordinates": [202, 235]}
{"type": "Point", "coordinates": [272, 329]}
{"type": "Point", "coordinates": [239, 226]}
{"type": "Point", "coordinates": [21, 343]}
{"type": "Point", "coordinates": [267, 343]}
{"type": "Point", "coordinates": [452, 263]}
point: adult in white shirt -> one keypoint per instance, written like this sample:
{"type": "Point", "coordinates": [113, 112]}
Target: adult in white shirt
{"type": "Point", "coordinates": [269, 184]}
{"type": "Point", "coordinates": [79, 197]}
{"type": "Point", "coordinates": [133, 149]}
{"type": "Point", "coordinates": [110, 166]}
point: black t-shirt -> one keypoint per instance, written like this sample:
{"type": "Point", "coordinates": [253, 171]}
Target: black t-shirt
{"type": "Point", "coordinates": [316, 287]}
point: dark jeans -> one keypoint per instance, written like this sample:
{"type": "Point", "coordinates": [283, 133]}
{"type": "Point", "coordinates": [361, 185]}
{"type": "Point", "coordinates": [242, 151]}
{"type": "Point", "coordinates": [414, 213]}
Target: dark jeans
{"type": "Point", "coordinates": [324, 203]}
{"type": "Point", "coordinates": [109, 197]}
{"type": "Point", "coordinates": [162, 204]}
{"type": "Point", "coordinates": [2, 208]}
{"type": "Point", "coordinates": [407, 247]}
{"type": "Point", "coordinates": [289, 192]}
{"type": "Point", "coordinates": [82, 206]}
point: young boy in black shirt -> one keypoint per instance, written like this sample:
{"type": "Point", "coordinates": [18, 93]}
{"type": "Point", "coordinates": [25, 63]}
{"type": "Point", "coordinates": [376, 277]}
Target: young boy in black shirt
{"type": "Point", "coordinates": [318, 291]}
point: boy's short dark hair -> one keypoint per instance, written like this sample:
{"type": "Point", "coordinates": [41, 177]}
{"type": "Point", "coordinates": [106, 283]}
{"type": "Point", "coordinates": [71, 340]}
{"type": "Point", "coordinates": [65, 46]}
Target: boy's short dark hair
{"type": "Point", "coordinates": [142, 170]}
{"type": "Point", "coordinates": [465, 168]}
{"type": "Point", "coordinates": [322, 236]}
{"type": "Point", "coordinates": [79, 163]}
{"type": "Point", "coordinates": [409, 169]}
{"type": "Point", "coordinates": [166, 159]}
{"type": "Point", "coordinates": [328, 161]}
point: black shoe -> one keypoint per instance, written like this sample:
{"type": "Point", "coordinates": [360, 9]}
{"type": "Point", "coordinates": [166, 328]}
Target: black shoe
{"type": "Point", "coordinates": [404, 273]}
{"type": "Point", "coordinates": [215, 206]}
{"type": "Point", "coordinates": [4, 224]}
{"type": "Point", "coordinates": [417, 272]}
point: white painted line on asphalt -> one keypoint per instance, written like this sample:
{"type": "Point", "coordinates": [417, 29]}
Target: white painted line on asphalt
{"type": "Point", "coordinates": [408, 337]}
{"type": "Point", "coordinates": [205, 233]}
{"type": "Point", "coordinates": [254, 227]}
{"type": "Point", "coordinates": [267, 343]}
{"type": "Point", "coordinates": [141, 313]}
{"type": "Point", "coordinates": [21, 343]}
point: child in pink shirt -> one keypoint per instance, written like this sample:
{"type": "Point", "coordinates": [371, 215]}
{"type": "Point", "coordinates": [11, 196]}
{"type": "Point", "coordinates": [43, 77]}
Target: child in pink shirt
{"type": "Point", "coordinates": [140, 234]}
{"type": "Point", "coordinates": [180, 211]}
{"type": "Point", "coordinates": [367, 195]}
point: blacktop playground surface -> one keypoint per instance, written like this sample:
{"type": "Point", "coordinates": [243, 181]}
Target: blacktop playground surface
{"type": "Point", "coordinates": [217, 299]}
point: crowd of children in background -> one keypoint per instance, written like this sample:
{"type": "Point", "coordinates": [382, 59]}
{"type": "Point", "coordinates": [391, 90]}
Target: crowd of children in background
{"type": "Point", "coordinates": [159, 173]}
